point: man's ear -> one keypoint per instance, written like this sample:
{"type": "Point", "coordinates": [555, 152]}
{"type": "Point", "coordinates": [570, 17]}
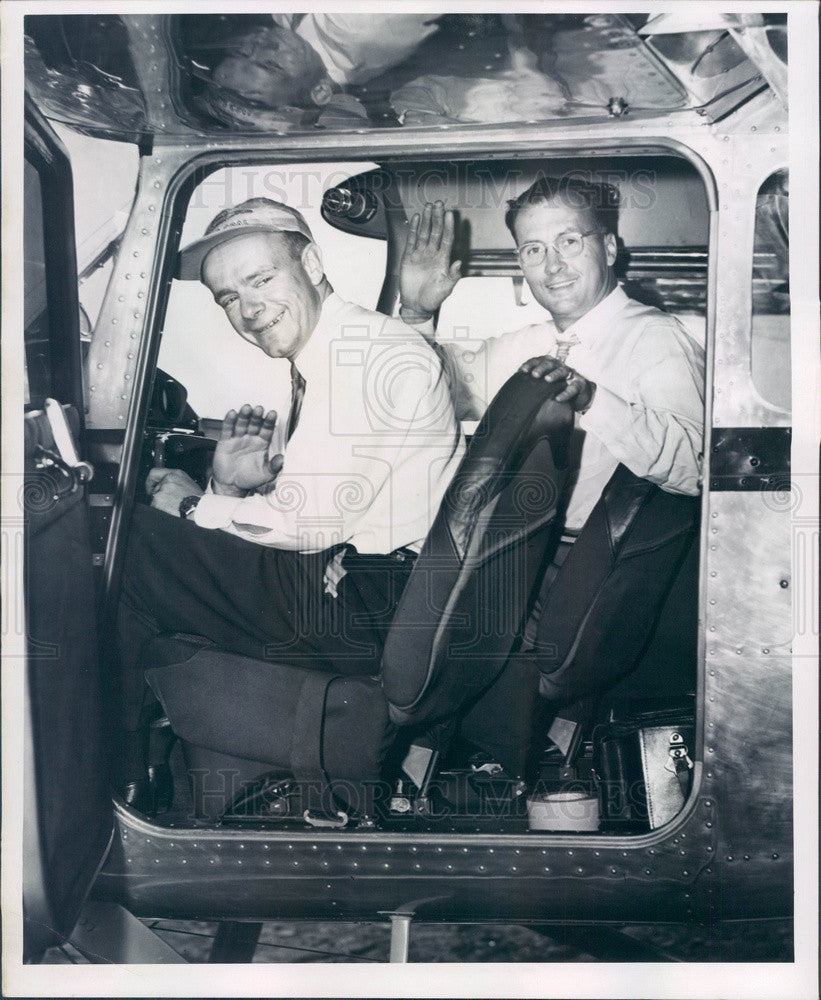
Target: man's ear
{"type": "Point", "coordinates": [611, 248]}
{"type": "Point", "coordinates": [311, 260]}
{"type": "Point", "coordinates": [322, 91]}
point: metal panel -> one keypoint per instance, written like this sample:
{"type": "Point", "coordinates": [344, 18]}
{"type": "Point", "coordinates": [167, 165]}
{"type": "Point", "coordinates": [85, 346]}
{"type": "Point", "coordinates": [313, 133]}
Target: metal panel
{"type": "Point", "coordinates": [750, 458]}
{"type": "Point", "coordinates": [107, 933]}
{"type": "Point", "coordinates": [129, 307]}
{"type": "Point", "coordinates": [742, 162]}
{"type": "Point", "coordinates": [748, 697]}
{"type": "Point", "coordinates": [262, 875]}
{"type": "Point", "coordinates": [728, 855]}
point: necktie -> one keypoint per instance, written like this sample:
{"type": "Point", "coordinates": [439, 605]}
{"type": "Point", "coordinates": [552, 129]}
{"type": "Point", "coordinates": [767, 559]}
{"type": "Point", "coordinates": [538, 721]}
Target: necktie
{"type": "Point", "coordinates": [563, 347]}
{"type": "Point", "coordinates": [297, 395]}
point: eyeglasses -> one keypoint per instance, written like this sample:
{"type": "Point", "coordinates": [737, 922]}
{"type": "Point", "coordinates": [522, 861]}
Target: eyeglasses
{"type": "Point", "coordinates": [567, 246]}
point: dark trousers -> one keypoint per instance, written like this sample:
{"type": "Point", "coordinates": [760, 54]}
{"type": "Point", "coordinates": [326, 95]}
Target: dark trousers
{"type": "Point", "coordinates": [249, 599]}
{"type": "Point", "coordinates": [549, 578]}
{"type": "Point", "coordinates": [509, 715]}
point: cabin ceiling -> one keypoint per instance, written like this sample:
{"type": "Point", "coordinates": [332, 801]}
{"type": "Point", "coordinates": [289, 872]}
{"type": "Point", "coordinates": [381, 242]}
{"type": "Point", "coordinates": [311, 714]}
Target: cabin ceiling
{"type": "Point", "coordinates": [147, 75]}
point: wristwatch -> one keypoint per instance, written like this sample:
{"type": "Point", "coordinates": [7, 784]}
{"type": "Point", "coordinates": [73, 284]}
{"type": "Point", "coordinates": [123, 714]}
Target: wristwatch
{"type": "Point", "coordinates": [188, 505]}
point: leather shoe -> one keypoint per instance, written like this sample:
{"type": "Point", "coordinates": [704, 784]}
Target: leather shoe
{"type": "Point", "coordinates": [161, 782]}
{"type": "Point", "coordinates": [151, 794]}
{"type": "Point", "coordinates": [137, 794]}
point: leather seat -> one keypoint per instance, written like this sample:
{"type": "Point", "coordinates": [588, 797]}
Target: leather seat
{"type": "Point", "coordinates": [463, 607]}
{"type": "Point", "coordinates": [600, 611]}
{"type": "Point", "coordinates": [473, 584]}
{"type": "Point", "coordinates": [597, 619]}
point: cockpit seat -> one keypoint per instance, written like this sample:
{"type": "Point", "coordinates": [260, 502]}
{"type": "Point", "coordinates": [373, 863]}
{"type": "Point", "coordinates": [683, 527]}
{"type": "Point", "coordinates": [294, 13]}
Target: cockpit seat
{"type": "Point", "coordinates": [599, 612]}
{"type": "Point", "coordinates": [461, 612]}
{"type": "Point", "coordinates": [597, 616]}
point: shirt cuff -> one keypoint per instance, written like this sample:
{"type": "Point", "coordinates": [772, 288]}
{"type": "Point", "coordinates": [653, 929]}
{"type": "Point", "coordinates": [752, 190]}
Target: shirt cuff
{"type": "Point", "coordinates": [215, 511]}
{"type": "Point", "coordinates": [426, 327]}
{"type": "Point", "coordinates": [608, 415]}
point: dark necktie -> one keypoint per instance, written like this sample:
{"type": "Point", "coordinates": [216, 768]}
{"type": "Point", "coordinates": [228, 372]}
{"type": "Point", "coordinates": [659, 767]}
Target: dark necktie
{"type": "Point", "coordinates": [297, 395]}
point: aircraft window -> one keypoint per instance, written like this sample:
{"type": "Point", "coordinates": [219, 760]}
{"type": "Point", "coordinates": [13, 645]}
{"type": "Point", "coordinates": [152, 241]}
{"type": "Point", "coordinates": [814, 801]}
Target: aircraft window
{"type": "Point", "coordinates": [83, 63]}
{"type": "Point", "coordinates": [36, 321]}
{"type": "Point", "coordinates": [355, 268]}
{"type": "Point", "coordinates": [771, 292]}
{"type": "Point", "coordinates": [105, 209]}
{"type": "Point", "coordinates": [215, 73]}
{"type": "Point", "coordinates": [357, 213]}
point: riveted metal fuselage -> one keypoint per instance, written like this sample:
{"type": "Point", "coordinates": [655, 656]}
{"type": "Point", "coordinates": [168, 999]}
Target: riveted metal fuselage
{"type": "Point", "coordinates": [729, 853]}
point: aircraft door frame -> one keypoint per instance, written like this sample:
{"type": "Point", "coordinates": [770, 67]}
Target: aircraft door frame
{"type": "Point", "coordinates": [67, 808]}
{"type": "Point", "coordinates": [697, 852]}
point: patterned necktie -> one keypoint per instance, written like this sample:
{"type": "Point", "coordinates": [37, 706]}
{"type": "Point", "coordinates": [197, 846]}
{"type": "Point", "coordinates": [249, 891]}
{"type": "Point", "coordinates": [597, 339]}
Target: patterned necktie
{"type": "Point", "coordinates": [563, 347]}
{"type": "Point", "coordinates": [297, 395]}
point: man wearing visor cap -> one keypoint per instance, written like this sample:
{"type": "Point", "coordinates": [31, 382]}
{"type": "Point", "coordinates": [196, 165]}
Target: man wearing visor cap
{"type": "Point", "coordinates": [312, 518]}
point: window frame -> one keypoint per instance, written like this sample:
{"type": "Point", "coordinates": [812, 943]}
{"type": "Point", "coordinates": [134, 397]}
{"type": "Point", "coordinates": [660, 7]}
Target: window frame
{"type": "Point", "coordinates": [192, 170]}
{"type": "Point", "coordinates": [47, 155]}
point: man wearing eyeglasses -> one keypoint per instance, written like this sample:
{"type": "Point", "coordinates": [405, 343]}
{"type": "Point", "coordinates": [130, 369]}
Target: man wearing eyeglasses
{"type": "Point", "coordinates": [632, 373]}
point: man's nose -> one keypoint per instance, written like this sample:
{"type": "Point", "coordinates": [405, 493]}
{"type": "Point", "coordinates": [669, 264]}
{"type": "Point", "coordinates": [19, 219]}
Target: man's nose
{"type": "Point", "coordinates": [250, 304]}
{"type": "Point", "coordinates": [553, 260]}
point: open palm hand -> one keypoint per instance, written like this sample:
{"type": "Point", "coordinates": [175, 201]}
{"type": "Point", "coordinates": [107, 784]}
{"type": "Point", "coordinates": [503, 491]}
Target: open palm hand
{"type": "Point", "coordinates": [241, 462]}
{"type": "Point", "coordinates": [426, 275]}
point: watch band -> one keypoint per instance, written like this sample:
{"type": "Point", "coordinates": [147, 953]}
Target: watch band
{"type": "Point", "coordinates": [188, 505]}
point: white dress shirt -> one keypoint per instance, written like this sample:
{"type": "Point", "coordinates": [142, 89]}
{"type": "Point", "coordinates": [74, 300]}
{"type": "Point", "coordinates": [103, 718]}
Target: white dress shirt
{"type": "Point", "coordinates": [356, 48]}
{"type": "Point", "coordinates": [648, 410]}
{"type": "Point", "coordinates": [375, 447]}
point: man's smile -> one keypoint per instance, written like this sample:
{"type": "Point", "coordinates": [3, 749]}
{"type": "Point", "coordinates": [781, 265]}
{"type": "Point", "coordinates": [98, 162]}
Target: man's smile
{"type": "Point", "coordinates": [555, 286]}
{"type": "Point", "coordinates": [271, 289]}
{"type": "Point", "coordinates": [272, 323]}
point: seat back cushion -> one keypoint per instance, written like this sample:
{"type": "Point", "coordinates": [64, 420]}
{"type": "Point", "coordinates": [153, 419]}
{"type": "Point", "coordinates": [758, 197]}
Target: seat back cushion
{"type": "Point", "coordinates": [472, 585]}
{"type": "Point", "coordinates": [602, 607]}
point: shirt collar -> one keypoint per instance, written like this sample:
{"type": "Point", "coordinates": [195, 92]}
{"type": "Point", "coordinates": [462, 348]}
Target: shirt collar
{"type": "Point", "coordinates": [315, 356]}
{"type": "Point", "coordinates": [596, 324]}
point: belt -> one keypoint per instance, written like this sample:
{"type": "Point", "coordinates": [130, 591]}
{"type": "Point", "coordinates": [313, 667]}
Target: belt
{"type": "Point", "coordinates": [374, 559]}
{"type": "Point", "coordinates": [403, 554]}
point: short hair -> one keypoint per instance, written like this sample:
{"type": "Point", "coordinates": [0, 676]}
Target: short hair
{"type": "Point", "coordinates": [601, 200]}
{"type": "Point", "coordinates": [295, 242]}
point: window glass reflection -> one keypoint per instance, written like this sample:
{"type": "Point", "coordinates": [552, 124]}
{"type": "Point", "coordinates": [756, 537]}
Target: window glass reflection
{"type": "Point", "coordinates": [285, 72]}
{"type": "Point", "coordinates": [79, 69]}
{"type": "Point", "coordinates": [35, 304]}
{"type": "Point", "coordinates": [771, 292]}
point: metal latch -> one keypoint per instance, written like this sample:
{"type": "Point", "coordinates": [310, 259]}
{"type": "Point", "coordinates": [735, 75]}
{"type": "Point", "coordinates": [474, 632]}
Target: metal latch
{"type": "Point", "coordinates": [81, 472]}
{"type": "Point", "coordinates": [678, 759]}
{"type": "Point", "coordinates": [493, 769]}
{"type": "Point", "coordinates": [400, 802]}
{"type": "Point", "coordinates": [312, 819]}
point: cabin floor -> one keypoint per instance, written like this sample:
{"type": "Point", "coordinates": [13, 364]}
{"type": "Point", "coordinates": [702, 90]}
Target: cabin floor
{"type": "Point", "coordinates": [471, 798]}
